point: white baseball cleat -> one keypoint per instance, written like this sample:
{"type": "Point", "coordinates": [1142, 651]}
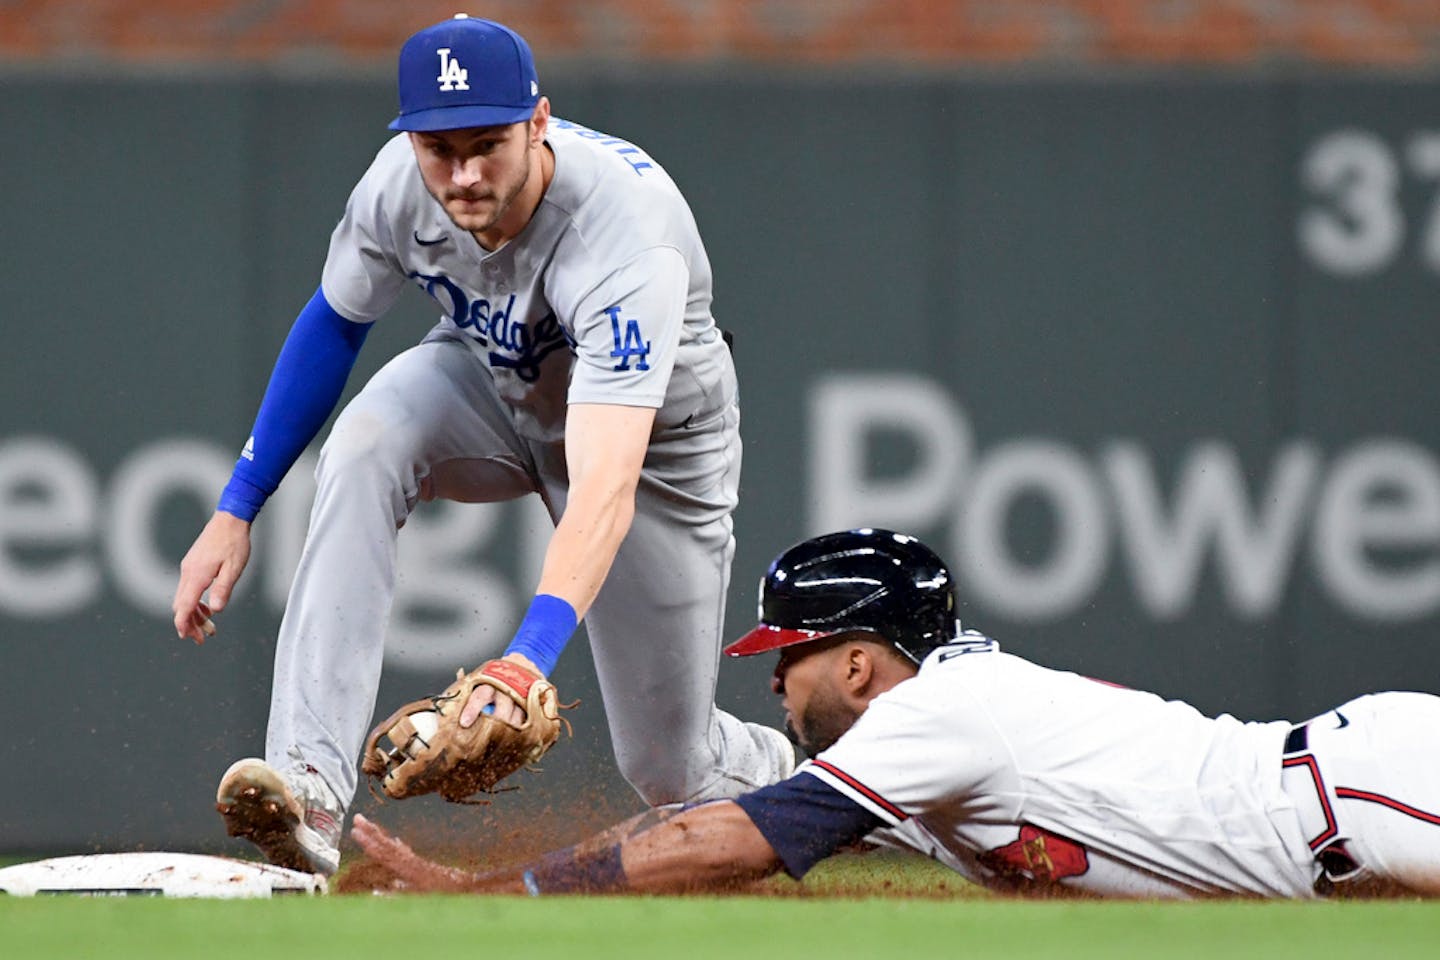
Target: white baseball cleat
{"type": "Point", "coordinates": [295, 823]}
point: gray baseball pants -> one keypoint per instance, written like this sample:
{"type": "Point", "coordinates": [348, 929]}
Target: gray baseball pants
{"type": "Point", "coordinates": [431, 425]}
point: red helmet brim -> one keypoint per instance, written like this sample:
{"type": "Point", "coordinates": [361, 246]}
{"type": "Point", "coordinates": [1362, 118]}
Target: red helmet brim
{"type": "Point", "coordinates": [766, 637]}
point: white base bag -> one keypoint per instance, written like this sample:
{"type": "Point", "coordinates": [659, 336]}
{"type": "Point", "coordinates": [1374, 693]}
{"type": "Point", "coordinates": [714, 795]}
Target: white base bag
{"type": "Point", "coordinates": [156, 875]}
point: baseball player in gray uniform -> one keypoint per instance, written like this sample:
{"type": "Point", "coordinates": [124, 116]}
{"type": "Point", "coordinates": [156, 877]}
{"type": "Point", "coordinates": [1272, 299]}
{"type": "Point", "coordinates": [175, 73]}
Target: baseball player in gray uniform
{"type": "Point", "coordinates": [1018, 777]}
{"type": "Point", "coordinates": [577, 359]}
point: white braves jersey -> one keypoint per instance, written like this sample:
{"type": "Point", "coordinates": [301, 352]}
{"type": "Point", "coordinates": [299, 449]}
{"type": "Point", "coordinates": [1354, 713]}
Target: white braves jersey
{"type": "Point", "coordinates": [1008, 771]}
{"type": "Point", "coordinates": [599, 299]}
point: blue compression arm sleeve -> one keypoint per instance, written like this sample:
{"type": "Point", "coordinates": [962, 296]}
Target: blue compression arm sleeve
{"type": "Point", "coordinates": [304, 387]}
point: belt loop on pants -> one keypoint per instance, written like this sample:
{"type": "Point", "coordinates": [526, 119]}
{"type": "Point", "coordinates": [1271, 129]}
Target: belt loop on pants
{"type": "Point", "coordinates": [1298, 739]}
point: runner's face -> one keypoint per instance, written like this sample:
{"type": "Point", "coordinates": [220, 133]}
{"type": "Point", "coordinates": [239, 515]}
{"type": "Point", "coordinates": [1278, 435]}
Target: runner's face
{"type": "Point", "coordinates": [808, 681]}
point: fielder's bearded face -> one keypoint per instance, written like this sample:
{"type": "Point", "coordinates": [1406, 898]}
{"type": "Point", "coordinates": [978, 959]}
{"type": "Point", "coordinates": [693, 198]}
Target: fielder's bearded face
{"type": "Point", "coordinates": [816, 714]}
{"type": "Point", "coordinates": [477, 173]}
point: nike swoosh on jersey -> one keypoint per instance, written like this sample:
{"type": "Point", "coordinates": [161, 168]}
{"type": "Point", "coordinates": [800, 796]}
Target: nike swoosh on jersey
{"type": "Point", "coordinates": [429, 243]}
{"type": "Point", "coordinates": [1344, 721]}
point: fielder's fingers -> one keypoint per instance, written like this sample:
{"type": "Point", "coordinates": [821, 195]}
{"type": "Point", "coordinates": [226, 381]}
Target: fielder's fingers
{"type": "Point", "coordinates": [199, 627]}
{"type": "Point", "coordinates": [206, 622]}
{"type": "Point", "coordinates": [187, 601]}
{"type": "Point", "coordinates": [491, 703]}
{"type": "Point", "coordinates": [508, 710]}
{"type": "Point", "coordinates": [223, 584]}
{"type": "Point", "coordinates": [480, 698]}
{"type": "Point", "coordinates": [184, 619]}
{"type": "Point", "coordinates": [196, 624]}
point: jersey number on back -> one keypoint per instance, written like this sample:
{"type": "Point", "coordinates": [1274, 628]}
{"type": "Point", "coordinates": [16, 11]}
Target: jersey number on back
{"type": "Point", "coordinates": [969, 641]}
{"type": "Point", "coordinates": [632, 344]}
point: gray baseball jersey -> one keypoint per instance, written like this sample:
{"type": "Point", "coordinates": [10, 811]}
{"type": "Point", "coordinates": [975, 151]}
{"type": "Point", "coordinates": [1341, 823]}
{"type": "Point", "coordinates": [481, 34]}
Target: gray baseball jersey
{"type": "Point", "coordinates": [604, 297]}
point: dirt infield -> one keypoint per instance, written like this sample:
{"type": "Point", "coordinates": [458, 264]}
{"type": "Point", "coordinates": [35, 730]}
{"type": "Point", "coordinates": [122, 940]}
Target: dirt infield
{"type": "Point", "coordinates": [507, 833]}
{"type": "Point", "coordinates": [878, 875]}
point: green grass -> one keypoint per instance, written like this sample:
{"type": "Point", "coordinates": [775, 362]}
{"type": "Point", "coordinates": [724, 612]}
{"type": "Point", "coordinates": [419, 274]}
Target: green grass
{"type": "Point", "coordinates": [696, 929]}
{"type": "Point", "coordinates": [865, 907]}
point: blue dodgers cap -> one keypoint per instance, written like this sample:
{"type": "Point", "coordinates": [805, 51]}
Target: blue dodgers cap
{"type": "Point", "coordinates": [465, 72]}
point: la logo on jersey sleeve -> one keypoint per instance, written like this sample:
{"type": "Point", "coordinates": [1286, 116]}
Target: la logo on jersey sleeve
{"type": "Point", "coordinates": [633, 345]}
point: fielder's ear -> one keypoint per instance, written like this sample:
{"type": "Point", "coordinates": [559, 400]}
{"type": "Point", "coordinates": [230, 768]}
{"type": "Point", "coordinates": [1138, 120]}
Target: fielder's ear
{"type": "Point", "coordinates": [540, 122]}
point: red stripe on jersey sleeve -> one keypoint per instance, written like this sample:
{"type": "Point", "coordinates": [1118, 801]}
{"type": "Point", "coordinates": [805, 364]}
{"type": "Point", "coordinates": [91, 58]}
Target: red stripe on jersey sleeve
{"type": "Point", "coordinates": [861, 789]}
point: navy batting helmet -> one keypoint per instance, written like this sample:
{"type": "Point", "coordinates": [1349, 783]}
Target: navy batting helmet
{"type": "Point", "coordinates": [875, 581]}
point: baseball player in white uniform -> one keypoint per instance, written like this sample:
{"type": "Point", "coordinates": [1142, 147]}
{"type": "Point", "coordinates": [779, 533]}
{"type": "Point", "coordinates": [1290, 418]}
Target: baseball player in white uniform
{"type": "Point", "coordinates": [577, 359]}
{"type": "Point", "coordinates": [1018, 777]}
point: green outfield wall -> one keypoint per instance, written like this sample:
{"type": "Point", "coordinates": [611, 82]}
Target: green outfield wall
{"type": "Point", "coordinates": [1153, 361]}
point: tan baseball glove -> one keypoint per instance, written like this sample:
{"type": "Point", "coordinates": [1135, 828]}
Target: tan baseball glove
{"type": "Point", "coordinates": [432, 753]}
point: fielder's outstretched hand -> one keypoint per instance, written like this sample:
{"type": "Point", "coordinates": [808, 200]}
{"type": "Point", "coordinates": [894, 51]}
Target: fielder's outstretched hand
{"type": "Point", "coordinates": [395, 855]}
{"type": "Point", "coordinates": [214, 562]}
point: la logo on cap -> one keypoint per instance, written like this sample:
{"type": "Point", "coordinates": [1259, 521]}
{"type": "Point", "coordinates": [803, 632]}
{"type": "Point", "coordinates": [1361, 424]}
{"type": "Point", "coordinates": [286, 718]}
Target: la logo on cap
{"type": "Point", "coordinates": [452, 75]}
{"type": "Point", "coordinates": [485, 77]}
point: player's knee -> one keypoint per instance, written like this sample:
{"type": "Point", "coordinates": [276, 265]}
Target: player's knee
{"type": "Point", "coordinates": [655, 791]}
{"type": "Point", "coordinates": [657, 779]}
{"type": "Point", "coordinates": [662, 781]}
{"type": "Point", "coordinates": [363, 440]}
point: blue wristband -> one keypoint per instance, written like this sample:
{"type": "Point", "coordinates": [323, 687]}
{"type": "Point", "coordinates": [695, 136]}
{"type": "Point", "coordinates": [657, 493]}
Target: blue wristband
{"type": "Point", "coordinates": [243, 498]}
{"type": "Point", "coordinates": [568, 871]}
{"type": "Point", "coordinates": [544, 632]}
